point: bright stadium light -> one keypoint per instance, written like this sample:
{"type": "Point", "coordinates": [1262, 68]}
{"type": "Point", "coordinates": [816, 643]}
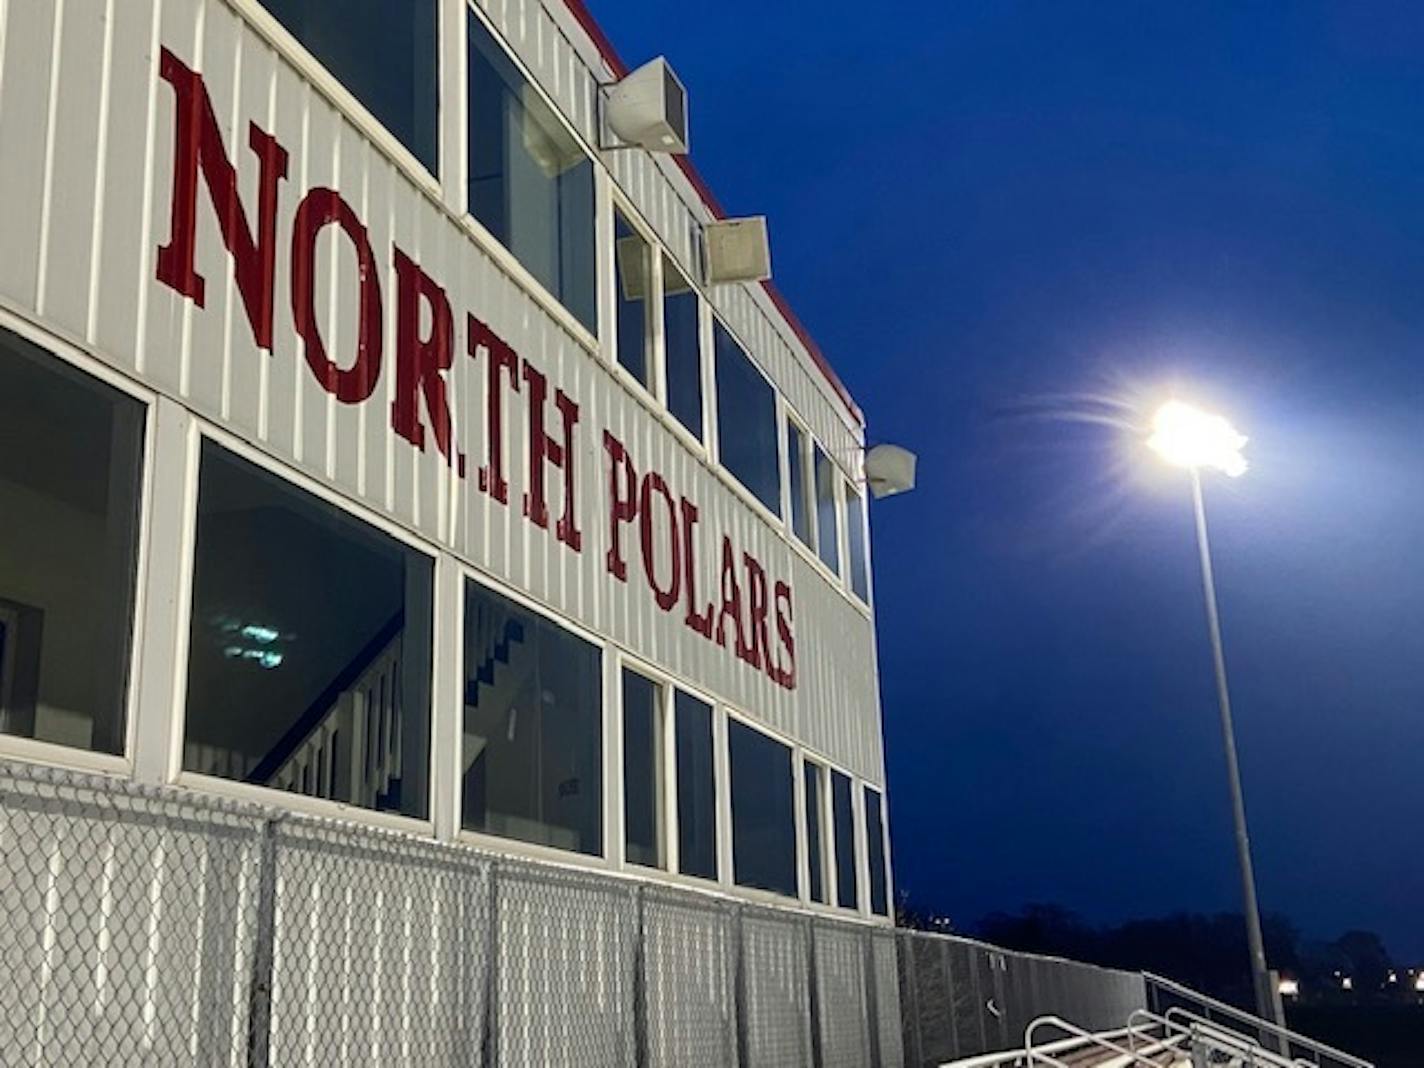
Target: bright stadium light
{"type": "Point", "coordinates": [1189, 437]}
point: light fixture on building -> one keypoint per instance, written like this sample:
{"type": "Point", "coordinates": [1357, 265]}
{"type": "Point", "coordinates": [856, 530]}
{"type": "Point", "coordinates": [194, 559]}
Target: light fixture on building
{"type": "Point", "coordinates": [736, 250]}
{"type": "Point", "coordinates": [1289, 988]}
{"type": "Point", "coordinates": [646, 109]}
{"type": "Point", "coordinates": [889, 469]}
{"type": "Point", "coordinates": [1347, 983]}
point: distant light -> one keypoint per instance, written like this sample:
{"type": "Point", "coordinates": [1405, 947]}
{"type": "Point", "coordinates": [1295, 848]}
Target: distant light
{"type": "Point", "coordinates": [1189, 437]}
{"type": "Point", "coordinates": [1347, 983]}
{"type": "Point", "coordinates": [1419, 983]}
{"type": "Point", "coordinates": [257, 633]}
{"type": "Point", "coordinates": [1289, 988]}
{"type": "Point", "coordinates": [1393, 977]}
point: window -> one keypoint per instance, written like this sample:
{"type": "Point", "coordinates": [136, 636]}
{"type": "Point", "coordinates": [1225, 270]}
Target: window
{"type": "Point", "coordinates": [643, 789]}
{"type": "Point", "coordinates": [875, 852]}
{"type": "Point", "coordinates": [682, 337]}
{"type": "Point", "coordinates": [386, 54]}
{"type": "Point", "coordinates": [69, 500]}
{"type": "Point", "coordinates": [855, 543]}
{"type": "Point", "coordinates": [632, 264]}
{"type": "Point", "coordinates": [532, 754]}
{"type": "Point", "coordinates": [531, 186]}
{"type": "Point", "coordinates": [763, 811]}
{"type": "Point", "coordinates": [815, 847]}
{"type": "Point", "coordinates": [696, 788]}
{"type": "Point", "coordinates": [827, 534]}
{"type": "Point", "coordinates": [842, 805]}
{"type": "Point", "coordinates": [800, 484]}
{"type": "Point", "coordinates": [746, 422]}
{"type": "Point", "coordinates": [309, 648]}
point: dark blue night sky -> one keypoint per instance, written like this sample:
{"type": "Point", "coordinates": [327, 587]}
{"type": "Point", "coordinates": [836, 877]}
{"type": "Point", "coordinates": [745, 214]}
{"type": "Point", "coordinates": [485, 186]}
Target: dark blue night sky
{"type": "Point", "coordinates": [994, 215]}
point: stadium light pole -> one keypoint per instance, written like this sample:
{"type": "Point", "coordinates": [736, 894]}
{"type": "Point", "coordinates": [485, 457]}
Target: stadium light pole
{"type": "Point", "coordinates": [1187, 437]}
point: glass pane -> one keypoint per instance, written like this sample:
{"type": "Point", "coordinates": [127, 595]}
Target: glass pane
{"type": "Point", "coordinates": [841, 803]}
{"type": "Point", "coordinates": [530, 184]}
{"type": "Point", "coordinates": [746, 422]}
{"type": "Point", "coordinates": [763, 811]}
{"type": "Point", "coordinates": [827, 534]}
{"type": "Point", "coordinates": [533, 751]}
{"type": "Point", "coordinates": [386, 54]}
{"type": "Point", "coordinates": [631, 264]}
{"type": "Point", "coordinates": [643, 771]}
{"type": "Point", "coordinates": [310, 647]}
{"type": "Point", "coordinates": [696, 789]}
{"type": "Point", "coordinates": [796, 474]}
{"type": "Point", "coordinates": [69, 499]}
{"type": "Point", "coordinates": [815, 852]}
{"type": "Point", "coordinates": [875, 853]}
{"type": "Point", "coordinates": [855, 543]}
{"type": "Point", "coordinates": [683, 345]}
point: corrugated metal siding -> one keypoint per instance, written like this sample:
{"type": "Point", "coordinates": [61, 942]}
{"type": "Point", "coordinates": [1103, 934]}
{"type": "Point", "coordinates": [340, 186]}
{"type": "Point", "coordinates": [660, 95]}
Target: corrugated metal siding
{"type": "Point", "coordinates": [86, 159]}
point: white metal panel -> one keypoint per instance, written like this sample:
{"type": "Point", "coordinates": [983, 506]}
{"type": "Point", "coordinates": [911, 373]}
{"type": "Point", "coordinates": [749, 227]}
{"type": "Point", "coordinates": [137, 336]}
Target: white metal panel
{"type": "Point", "coordinates": [206, 356]}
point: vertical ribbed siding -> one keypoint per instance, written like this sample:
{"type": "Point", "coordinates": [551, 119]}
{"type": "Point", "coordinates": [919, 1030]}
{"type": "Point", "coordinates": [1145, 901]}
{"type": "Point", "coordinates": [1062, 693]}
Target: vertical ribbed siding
{"type": "Point", "coordinates": [86, 127]}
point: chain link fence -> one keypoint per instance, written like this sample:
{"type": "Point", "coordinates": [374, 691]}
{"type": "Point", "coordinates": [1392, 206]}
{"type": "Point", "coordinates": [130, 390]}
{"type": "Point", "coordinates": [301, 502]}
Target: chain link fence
{"type": "Point", "coordinates": [960, 998]}
{"type": "Point", "coordinates": [154, 927]}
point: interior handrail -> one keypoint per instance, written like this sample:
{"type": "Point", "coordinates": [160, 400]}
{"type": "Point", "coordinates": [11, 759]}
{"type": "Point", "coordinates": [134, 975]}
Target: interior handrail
{"type": "Point", "coordinates": [1216, 1036]}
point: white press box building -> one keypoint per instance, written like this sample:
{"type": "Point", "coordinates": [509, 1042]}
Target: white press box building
{"type": "Point", "coordinates": [394, 431]}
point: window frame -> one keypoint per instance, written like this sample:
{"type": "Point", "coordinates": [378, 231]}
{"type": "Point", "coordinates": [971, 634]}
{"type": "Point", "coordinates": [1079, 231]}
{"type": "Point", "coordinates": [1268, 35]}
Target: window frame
{"type": "Point", "coordinates": [727, 475]}
{"type": "Point", "coordinates": [201, 430]}
{"type": "Point", "coordinates": [848, 488]}
{"type": "Point", "coordinates": [790, 418]}
{"type": "Point", "coordinates": [654, 390]}
{"type": "Point", "coordinates": [827, 837]}
{"type": "Point", "coordinates": [867, 788]}
{"type": "Point", "coordinates": [289, 47]}
{"type": "Point", "coordinates": [669, 685]}
{"type": "Point", "coordinates": [730, 715]}
{"type": "Point", "coordinates": [837, 573]}
{"type": "Point", "coordinates": [53, 753]}
{"type": "Point", "coordinates": [610, 734]}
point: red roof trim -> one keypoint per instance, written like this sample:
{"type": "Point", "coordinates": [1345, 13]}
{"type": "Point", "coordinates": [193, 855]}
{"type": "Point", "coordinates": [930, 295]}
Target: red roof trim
{"type": "Point", "coordinates": [579, 10]}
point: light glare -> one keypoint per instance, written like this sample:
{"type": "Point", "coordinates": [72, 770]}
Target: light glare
{"type": "Point", "coordinates": [1188, 437]}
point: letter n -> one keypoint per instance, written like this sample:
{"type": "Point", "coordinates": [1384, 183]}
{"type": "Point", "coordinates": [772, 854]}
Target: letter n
{"type": "Point", "coordinates": [198, 144]}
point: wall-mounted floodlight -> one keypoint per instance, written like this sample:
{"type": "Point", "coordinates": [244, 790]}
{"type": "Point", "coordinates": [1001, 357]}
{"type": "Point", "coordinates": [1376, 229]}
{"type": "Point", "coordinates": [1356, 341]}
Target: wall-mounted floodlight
{"type": "Point", "coordinates": [736, 250]}
{"type": "Point", "coordinates": [647, 109]}
{"type": "Point", "coordinates": [889, 470]}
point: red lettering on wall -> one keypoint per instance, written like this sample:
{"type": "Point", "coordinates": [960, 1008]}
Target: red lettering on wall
{"type": "Point", "coordinates": [731, 609]}
{"type": "Point", "coordinates": [503, 364]}
{"type": "Point", "coordinates": [665, 596]}
{"type": "Point", "coordinates": [421, 363]}
{"type": "Point", "coordinates": [622, 502]}
{"type": "Point", "coordinates": [543, 449]}
{"type": "Point", "coordinates": [760, 603]}
{"type": "Point", "coordinates": [785, 676]}
{"type": "Point", "coordinates": [700, 621]}
{"type": "Point", "coordinates": [197, 143]}
{"type": "Point", "coordinates": [320, 208]}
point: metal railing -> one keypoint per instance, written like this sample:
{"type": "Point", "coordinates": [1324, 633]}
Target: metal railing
{"type": "Point", "coordinates": [1242, 1022]}
{"type": "Point", "coordinates": [1123, 1055]}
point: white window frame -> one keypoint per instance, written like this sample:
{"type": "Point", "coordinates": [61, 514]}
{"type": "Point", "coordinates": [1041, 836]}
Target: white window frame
{"type": "Point", "coordinates": [197, 431]}
{"type": "Point", "coordinates": [790, 418]}
{"type": "Point", "coordinates": [824, 812]}
{"type": "Point", "coordinates": [611, 732]}
{"type": "Point", "coordinates": [725, 474]}
{"type": "Point", "coordinates": [864, 789]}
{"type": "Point", "coordinates": [654, 390]}
{"type": "Point", "coordinates": [849, 486]}
{"type": "Point", "coordinates": [32, 750]}
{"type": "Point", "coordinates": [730, 715]}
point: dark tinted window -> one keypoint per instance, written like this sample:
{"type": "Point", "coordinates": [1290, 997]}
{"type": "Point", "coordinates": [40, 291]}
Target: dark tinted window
{"type": "Point", "coordinates": [842, 805]}
{"type": "Point", "coordinates": [827, 533]}
{"type": "Point", "coordinates": [385, 52]}
{"type": "Point", "coordinates": [643, 771]}
{"type": "Point", "coordinates": [696, 789]}
{"type": "Point", "coordinates": [855, 543]}
{"type": "Point", "coordinates": [746, 422]}
{"type": "Point", "coordinates": [800, 484]}
{"type": "Point", "coordinates": [815, 849]}
{"type": "Point", "coordinates": [875, 853]}
{"type": "Point", "coordinates": [69, 496]}
{"type": "Point", "coordinates": [309, 657]}
{"type": "Point", "coordinates": [763, 811]}
{"type": "Point", "coordinates": [532, 749]}
{"type": "Point", "coordinates": [683, 347]}
{"type": "Point", "coordinates": [631, 266]}
{"type": "Point", "coordinates": [531, 186]}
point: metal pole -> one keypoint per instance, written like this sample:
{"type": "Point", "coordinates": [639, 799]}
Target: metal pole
{"type": "Point", "coordinates": [1265, 1003]}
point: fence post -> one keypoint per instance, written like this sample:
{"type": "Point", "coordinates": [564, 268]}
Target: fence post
{"type": "Point", "coordinates": [739, 968]}
{"type": "Point", "coordinates": [909, 999]}
{"type": "Point", "coordinates": [259, 997]}
{"type": "Point", "coordinates": [872, 999]}
{"type": "Point", "coordinates": [489, 1041]}
{"type": "Point", "coordinates": [813, 995]}
{"type": "Point", "coordinates": [640, 982]}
